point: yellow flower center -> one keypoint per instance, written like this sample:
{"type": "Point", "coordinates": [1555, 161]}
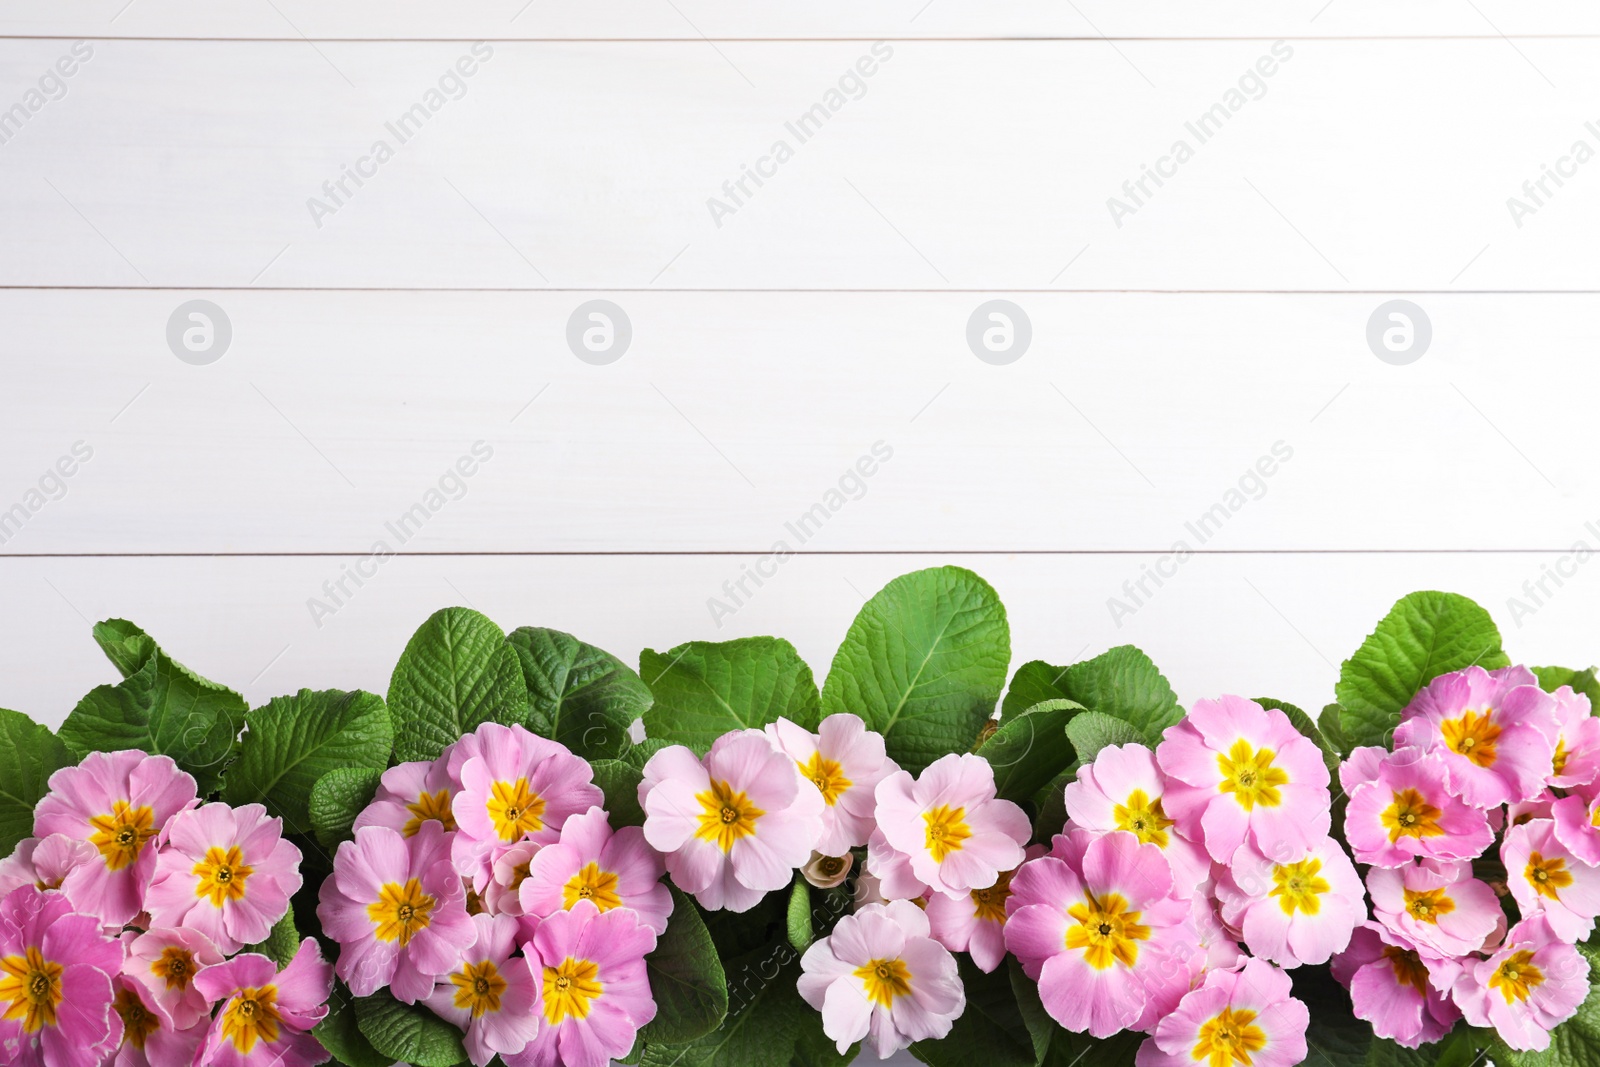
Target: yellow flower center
{"type": "Point", "coordinates": [827, 776]}
{"type": "Point", "coordinates": [1144, 818]}
{"type": "Point", "coordinates": [222, 875]}
{"type": "Point", "coordinates": [138, 1022]}
{"type": "Point", "coordinates": [1558, 762]}
{"type": "Point", "coordinates": [989, 905]}
{"type": "Point", "coordinates": [400, 911]}
{"type": "Point", "coordinates": [885, 980]}
{"type": "Point", "coordinates": [1426, 905]}
{"type": "Point", "coordinates": [175, 966]}
{"type": "Point", "coordinates": [1410, 815]}
{"type": "Point", "coordinates": [1107, 931]}
{"type": "Point", "coordinates": [945, 832]}
{"type": "Point", "coordinates": [1547, 876]}
{"type": "Point", "coordinates": [569, 989]}
{"type": "Point", "coordinates": [594, 885]}
{"type": "Point", "coordinates": [725, 816]}
{"type": "Point", "coordinates": [1408, 968]}
{"type": "Point", "coordinates": [121, 835]}
{"type": "Point", "coordinates": [1249, 775]}
{"type": "Point", "coordinates": [1299, 886]}
{"type": "Point", "coordinates": [515, 809]}
{"type": "Point", "coordinates": [478, 988]}
{"type": "Point", "coordinates": [1516, 977]}
{"type": "Point", "coordinates": [251, 1016]}
{"type": "Point", "coordinates": [1472, 735]}
{"type": "Point", "coordinates": [30, 987]}
{"type": "Point", "coordinates": [435, 806]}
{"type": "Point", "coordinates": [1229, 1037]}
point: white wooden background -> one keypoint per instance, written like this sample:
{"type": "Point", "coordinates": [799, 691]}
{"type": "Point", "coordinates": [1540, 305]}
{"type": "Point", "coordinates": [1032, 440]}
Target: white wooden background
{"type": "Point", "coordinates": [770, 352]}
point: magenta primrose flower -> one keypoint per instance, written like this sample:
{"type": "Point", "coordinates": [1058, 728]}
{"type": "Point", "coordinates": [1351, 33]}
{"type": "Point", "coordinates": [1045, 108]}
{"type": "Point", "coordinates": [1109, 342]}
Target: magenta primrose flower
{"type": "Point", "coordinates": [1122, 790]}
{"type": "Point", "coordinates": [1495, 731]}
{"type": "Point", "coordinates": [493, 994]}
{"type": "Point", "coordinates": [733, 827]}
{"type": "Point", "coordinates": [266, 1015]}
{"type": "Point", "coordinates": [880, 977]}
{"type": "Point", "coordinates": [608, 869]}
{"type": "Point", "coordinates": [958, 834]}
{"type": "Point", "coordinates": [1298, 907]}
{"type": "Point", "coordinates": [118, 802]}
{"type": "Point", "coordinates": [56, 968]}
{"type": "Point", "coordinates": [1532, 984]}
{"type": "Point", "coordinates": [409, 795]}
{"type": "Point", "coordinates": [845, 761]}
{"type": "Point", "coordinates": [1244, 1017]}
{"type": "Point", "coordinates": [164, 962]}
{"type": "Point", "coordinates": [1406, 810]}
{"type": "Point", "coordinates": [44, 863]}
{"type": "Point", "coordinates": [1546, 878]}
{"type": "Point", "coordinates": [1438, 907]}
{"type": "Point", "coordinates": [149, 1038]}
{"type": "Point", "coordinates": [224, 872]}
{"type": "Point", "coordinates": [1236, 770]}
{"type": "Point", "coordinates": [398, 910]}
{"type": "Point", "coordinates": [1576, 760]}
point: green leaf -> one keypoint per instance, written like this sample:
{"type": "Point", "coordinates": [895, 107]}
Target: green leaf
{"type": "Point", "coordinates": [1423, 636]}
{"type": "Point", "coordinates": [1333, 729]}
{"type": "Point", "coordinates": [800, 934]}
{"type": "Point", "coordinates": [1090, 731]}
{"type": "Point", "coordinates": [923, 664]}
{"type": "Point", "coordinates": [456, 674]}
{"type": "Point", "coordinates": [1041, 1028]}
{"type": "Point", "coordinates": [1339, 1037]}
{"type": "Point", "coordinates": [293, 741]}
{"type": "Point", "coordinates": [1035, 682]}
{"type": "Point", "coordinates": [686, 978]}
{"type": "Point", "coordinates": [408, 1033]}
{"type": "Point", "coordinates": [991, 1030]}
{"type": "Point", "coordinates": [1030, 748]}
{"type": "Point", "coordinates": [1081, 1050]}
{"type": "Point", "coordinates": [1124, 683]}
{"type": "Point", "coordinates": [581, 696]}
{"type": "Point", "coordinates": [620, 783]}
{"type": "Point", "coordinates": [1553, 678]}
{"type": "Point", "coordinates": [282, 942]}
{"type": "Point", "coordinates": [636, 756]}
{"type": "Point", "coordinates": [1576, 1042]}
{"type": "Point", "coordinates": [704, 689]}
{"type": "Point", "coordinates": [341, 1035]}
{"type": "Point", "coordinates": [1308, 729]}
{"type": "Point", "coordinates": [765, 1018]}
{"type": "Point", "coordinates": [337, 798]}
{"type": "Point", "coordinates": [29, 755]}
{"type": "Point", "coordinates": [1051, 804]}
{"type": "Point", "coordinates": [160, 707]}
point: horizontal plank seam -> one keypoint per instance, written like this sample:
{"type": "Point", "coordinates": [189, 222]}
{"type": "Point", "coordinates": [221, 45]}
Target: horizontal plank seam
{"type": "Point", "coordinates": [733, 291]}
{"type": "Point", "coordinates": [456, 553]}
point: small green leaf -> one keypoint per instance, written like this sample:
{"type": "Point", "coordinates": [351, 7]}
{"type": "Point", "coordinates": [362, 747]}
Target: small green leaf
{"type": "Point", "coordinates": [1308, 729]}
{"type": "Point", "coordinates": [1553, 678]}
{"type": "Point", "coordinates": [337, 798]}
{"type": "Point", "coordinates": [581, 696]}
{"type": "Point", "coordinates": [1035, 682]}
{"type": "Point", "coordinates": [1332, 727]}
{"type": "Point", "coordinates": [686, 978]}
{"type": "Point", "coordinates": [29, 755]}
{"type": "Point", "coordinates": [1030, 748]}
{"type": "Point", "coordinates": [341, 1035]}
{"type": "Point", "coordinates": [620, 783]}
{"type": "Point", "coordinates": [1090, 731]}
{"type": "Point", "coordinates": [800, 914]}
{"type": "Point", "coordinates": [923, 664]}
{"type": "Point", "coordinates": [456, 674]}
{"type": "Point", "coordinates": [1051, 804]}
{"type": "Point", "coordinates": [408, 1033]}
{"type": "Point", "coordinates": [704, 689]}
{"type": "Point", "coordinates": [293, 741]}
{"type": "Point", "coordinates": [125, 645]}
{"type": "Point", "coordinates": [282, 942]}
{"type": "Point", "coordinates": [1122, 682]}
{"type": "Point", "coordinates": [1424, 635]}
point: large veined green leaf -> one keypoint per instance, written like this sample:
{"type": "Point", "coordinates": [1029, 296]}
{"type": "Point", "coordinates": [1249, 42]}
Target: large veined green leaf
{"type": "Point", "coordinates": [408, 1033]}
{"type": "Point", "coordinates": [1030, 748]}
{"type": "Point", "coordinates": [764, 1022]}
{"type": "Point", "coordinates": [704, 689]}
{"type": "Point", "coordinates": [340, 1033]}
{"type": "Point", "coordinates": [686, 978]}
{"type": "Point", "coordinates": [923, 664]}
{"type": "Point", "coordinates": [456, 674]}
{"type": "Point", "coordinates": [337, 798]}
{"type": "Point", "coordinates": [1091, 731]}
{"type": "Point", "coordinates": [29, 755]}
{"type": "Point", "coordinates": [579, 695]}
{"type": "Point", "coordinates": [293, 741]}
{"type": "Point", "coordinates": [1121, 682]}
{"type": "Point", "coordinates": [1424, 635]}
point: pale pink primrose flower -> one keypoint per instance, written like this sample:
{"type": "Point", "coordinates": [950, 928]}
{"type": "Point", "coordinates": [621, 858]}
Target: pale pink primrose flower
{"type": "Point", "coordinates": [398, 910]}
{"type": "Point", "coordinates": [1578, 826]}
{"type": "Point", "coordinates": [265, 1015]}
{"type": "Point", "coordinates": [734, 826]}
{"type": "Point", "coordinates": [118, 802]}
{"type": "Point", "coordinates": [1532, 984]}
{"type": "Point", "coordinates": [164, 962]}
{"type": "Point", "coordinates": [1122, 790]}
{"type": "Point", "coordinates": [493, 994]}
{"type": "Point", "coordinates": [409, 795]}
{"type": "Point", "coordinates": [1248, 1011]}
{"type": "Point", "coordinates": [890, 873]}
{"type": "Point", "coordinates": [225, 872]}
{"type": "Point", "coordinates": [1408, 811]}
{"type": "Point", "coordinates": [1546, 877]}
{"type": "Point", "coordinates": [845, 761]}
{"type": "Point", "coordinates": [1576, 760]}
{"type": "Point", "coordinates": [1296, 907]}
{"type": "Point", "coordinates": [44, 862]}
{"type": "Point", "coordinates": [1095, 924]}
{"type": "Point", "coordinates": [508, 869]}
{"type": "Point", "coordinates": [610, 869]}
{"type": "Point", "coordinates": [1402, 993]}
{"type": "Point", "coordinates": [149, 1038]}
{"type": "Point", "coordinates": [880, 978]}
{"type": "Point", "coordinates": [958, 834]}
{"type": "Point", "coordinates": [975, 922]}
{"type": "Point", "coordinates": [56, 968]}
{"type": "Point", "coordinates": [1438, 907]}
{"type": "Point", "coordinates": [1495, 732]}
{"type": "Point", "coordinates": [1235, 771]}
{"type": "Point", "coordinates": [1362, 765]}
{"type": "Point", "coordinates": [596, 992]}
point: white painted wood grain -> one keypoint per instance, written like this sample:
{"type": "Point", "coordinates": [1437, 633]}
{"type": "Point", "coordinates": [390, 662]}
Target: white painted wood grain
{"type": "Point", "coordinates": [1366, 165]}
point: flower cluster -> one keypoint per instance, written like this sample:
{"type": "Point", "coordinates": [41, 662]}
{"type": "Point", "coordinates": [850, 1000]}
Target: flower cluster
{"type": "Point", "coordinates": [122, 925]}
{"type": "Point", "coordinates": [489, 885]}
{"type": "Point", "coordinates": [1490, 778]}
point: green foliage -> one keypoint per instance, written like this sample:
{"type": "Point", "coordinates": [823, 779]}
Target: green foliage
{"type": "Point", "coordinates": [1090, 731]}
{"type": "Point", "coordinates": [686, 979]}
{"type": "Point", "coordinates": [337, 798]}
{"type": "Point", "coordinates": [456, 674]}
{"type": "Point", "coordinates": [923, 664]}
{"type": "Point", "coordinates": [619, 781]}
{"type": "Point", "coordinates": [340, 1033]}
{"type": "Point", "coordinates": [799, 914]}
{"type": "Point", "coordinates": [29, 755]}
{"type": "Point", "coordinates": [1584, 681]}
{"type": "Point", "coordinates": [408, 1033]}
{"type": "Point", "coordinates": [1122, 682]}
{"type": "Point", "coordinates": [704, 689]}
{"type": "Point", "coordinates": [281, 943]}
{"type": "Point", "coordinates": [765, 1019]}
{"type": "Point", "coordinates": [579, 695]}
{"type": "Point", "coordinates": [1030, 748]}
